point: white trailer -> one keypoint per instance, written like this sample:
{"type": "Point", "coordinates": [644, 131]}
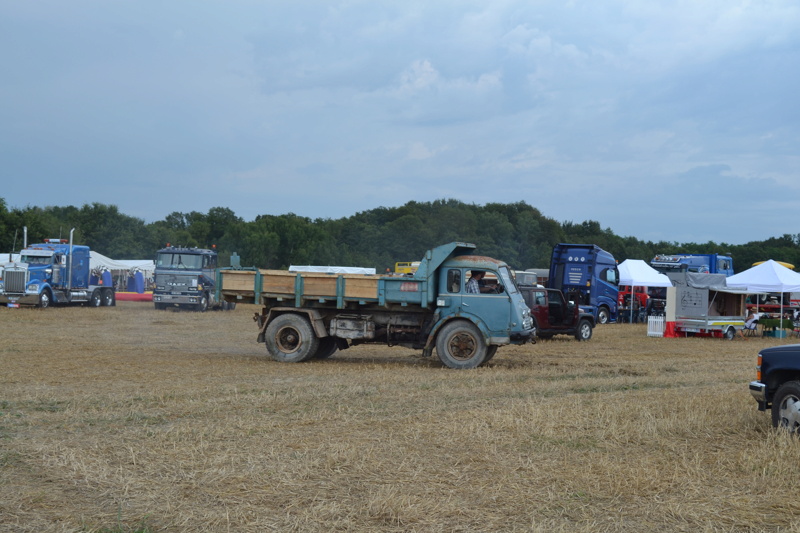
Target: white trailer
{"type": "Point", "coordinates": [702, 305]}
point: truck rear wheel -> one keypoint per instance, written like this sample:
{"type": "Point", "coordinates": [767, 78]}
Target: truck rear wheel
{"type": "Point", "coordinates": [291, 339]}
{"type": "Point", "coordinates": [460, 345]}
{"type": "Point", "coordinates": [584, 331]}
{"type": "Point", "coordinates": [94, 300]}
{"type": "Point", "coordinates": [108, 298]}
{"type": "Point", "coordinates": [786, 407]}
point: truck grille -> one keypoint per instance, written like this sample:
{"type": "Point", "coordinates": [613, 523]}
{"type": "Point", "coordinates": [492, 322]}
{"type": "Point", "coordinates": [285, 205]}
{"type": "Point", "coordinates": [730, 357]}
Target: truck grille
{"type": "Point", "coordinates": [15, 280]}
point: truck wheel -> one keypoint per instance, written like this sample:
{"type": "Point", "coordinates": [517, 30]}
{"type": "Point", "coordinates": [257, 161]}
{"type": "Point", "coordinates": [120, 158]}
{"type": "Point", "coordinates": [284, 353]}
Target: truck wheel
{"type": "Point", "coordinates": [786, 407]}
{"type": "Point", "coordinates": [291, 339]}
{"type": "Point", "coordinates": [327, 347]}
{"type": "Point", "coordinates": [202, 305]}
{"type": "Point", "coordinates": [603, 316]}
{"type": "Point", "coordinates": [584, 331]}
{"type": "Point", "coordinates": [94, 301]}
{"type": "Point", "coordinates": [460, 345]}
{"type": "Point", "coordinates": [730, 333]}
{"type": "Point", "coordinates": [108, 298]}
{"type": "Point", "coordinates": [45, 299]}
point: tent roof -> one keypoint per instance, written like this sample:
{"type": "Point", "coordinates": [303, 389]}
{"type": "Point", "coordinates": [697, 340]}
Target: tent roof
{"type": "Point", "coordinates": [769, 276]}
{"type": "Point", "coordinates": [639, 274]}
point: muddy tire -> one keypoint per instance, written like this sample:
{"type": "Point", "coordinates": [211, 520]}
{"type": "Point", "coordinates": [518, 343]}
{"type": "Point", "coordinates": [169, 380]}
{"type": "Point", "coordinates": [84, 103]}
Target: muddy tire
{"type": "Point", "coordinates": [460, 345]}
{"type": "Point", "coordinates": [291, 339]}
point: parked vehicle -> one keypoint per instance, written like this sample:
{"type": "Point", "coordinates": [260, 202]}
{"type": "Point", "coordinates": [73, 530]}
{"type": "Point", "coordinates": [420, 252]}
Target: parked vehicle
{"type": "Point", "coordinates": [648, 301]}
{"type": "Point", "coordinates": [587, 275]}
{"type": "Point", "coordinates": [406, 267]}
{"type": "Point", "coordinates": [554, 315]}
{"type": "Point", "coordinates": [186, 278]}
{"type": "Point", "coordinates": [54, 272]}
{"type": "Point", "coordinates": [777, 385]}
{"type": "Point", "coordinates": [705, 306]}
{"type": "Point", "coordinates": [309, 315]}
{"type": "Point", "coordinates": [699, 263]}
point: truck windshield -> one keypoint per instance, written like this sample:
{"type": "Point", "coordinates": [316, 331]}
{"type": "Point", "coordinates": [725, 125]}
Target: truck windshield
{"type": "Point", "coordinates": [36, 259]}
{"type": "Point", "coordinates": [179, 261]}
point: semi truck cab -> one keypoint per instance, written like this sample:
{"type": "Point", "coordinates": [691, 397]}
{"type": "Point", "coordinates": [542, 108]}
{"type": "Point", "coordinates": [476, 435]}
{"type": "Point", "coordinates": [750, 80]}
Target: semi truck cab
{"type": "Point", "coordinates": [185, 278]}
{"type": "Point", "coordinates": [52, 272]}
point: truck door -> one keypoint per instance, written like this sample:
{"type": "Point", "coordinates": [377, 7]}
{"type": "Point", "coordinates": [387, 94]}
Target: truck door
{"type": "Point", "coordinates": [537, 302]}
{"type": "Point", "coordinates": [560, 312]}
{"type": "Point", "coordinates": [494, 309]}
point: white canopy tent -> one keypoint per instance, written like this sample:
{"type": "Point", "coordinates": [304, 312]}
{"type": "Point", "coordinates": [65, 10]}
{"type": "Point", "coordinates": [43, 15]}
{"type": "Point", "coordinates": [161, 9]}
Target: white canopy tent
{"type": "Point", "coordinates": [637, 273]}
{"type": "Point", "coordinates": [99, 261]}
{"type": "Point", "coordinates": [769, 276]}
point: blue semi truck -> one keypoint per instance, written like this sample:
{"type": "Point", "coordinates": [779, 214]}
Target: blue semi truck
{"type": "Point", "coordinates": [311, 315]}
{"type": "Point", "coordinates": [56, 271]}
{"type": "Point", "coordinates": [700, 263]}
{"type": "Point", "coordinates": [588, 276]}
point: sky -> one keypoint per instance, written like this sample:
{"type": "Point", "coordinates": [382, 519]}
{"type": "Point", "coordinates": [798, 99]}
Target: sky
{"type": "Point", "coordinates": [662, 120]}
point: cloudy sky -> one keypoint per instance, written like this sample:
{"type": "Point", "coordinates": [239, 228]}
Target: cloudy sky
{"type": "Point", "coordinates": [663, 120]}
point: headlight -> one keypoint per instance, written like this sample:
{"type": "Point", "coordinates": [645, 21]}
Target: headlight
{"type": "Point", "coordinates": [34, 288]}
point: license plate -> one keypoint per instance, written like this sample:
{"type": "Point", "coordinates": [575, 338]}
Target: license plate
{"type": "Point", "coordinates": [11, 304]}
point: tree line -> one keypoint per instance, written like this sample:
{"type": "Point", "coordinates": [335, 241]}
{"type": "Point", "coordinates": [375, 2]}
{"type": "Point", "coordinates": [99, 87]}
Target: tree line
{"type": "Point", "coordinates": [516, 233]}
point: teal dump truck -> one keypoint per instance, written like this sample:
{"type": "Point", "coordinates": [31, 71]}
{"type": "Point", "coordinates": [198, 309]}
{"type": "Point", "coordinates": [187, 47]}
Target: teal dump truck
{"type": "Point", "coordinates": [312, 315]}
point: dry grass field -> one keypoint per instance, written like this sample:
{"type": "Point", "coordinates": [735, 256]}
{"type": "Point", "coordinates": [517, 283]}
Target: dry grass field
{"type": "Point", "coordinates": [130, 419]}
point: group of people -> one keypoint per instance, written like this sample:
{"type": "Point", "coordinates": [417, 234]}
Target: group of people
{"type": "Point", "coordinates": [751, 321]}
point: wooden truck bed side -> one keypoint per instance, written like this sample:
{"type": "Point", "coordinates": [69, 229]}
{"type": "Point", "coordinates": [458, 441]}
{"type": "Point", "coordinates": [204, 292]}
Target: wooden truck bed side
{"type": "Point", "coordinates": [250, 285]}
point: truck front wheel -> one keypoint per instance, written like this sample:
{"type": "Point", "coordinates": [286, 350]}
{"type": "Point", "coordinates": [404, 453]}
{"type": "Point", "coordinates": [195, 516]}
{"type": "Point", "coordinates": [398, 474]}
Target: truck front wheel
{"type": "Point", "coordinates": [202, 305]}
{"type": "Point", "coordinates": [603, 316]}
{"type": "Point", "coordinates": [45, 299]}
{"type": "Point", "coordinates": [460, 345]}
{"type": "Point", "coordinates": [291, 339]}
{"type": "Point", "coordinates": [584, 331]}
{"type": "Point", "coordinates": [786, 407]}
